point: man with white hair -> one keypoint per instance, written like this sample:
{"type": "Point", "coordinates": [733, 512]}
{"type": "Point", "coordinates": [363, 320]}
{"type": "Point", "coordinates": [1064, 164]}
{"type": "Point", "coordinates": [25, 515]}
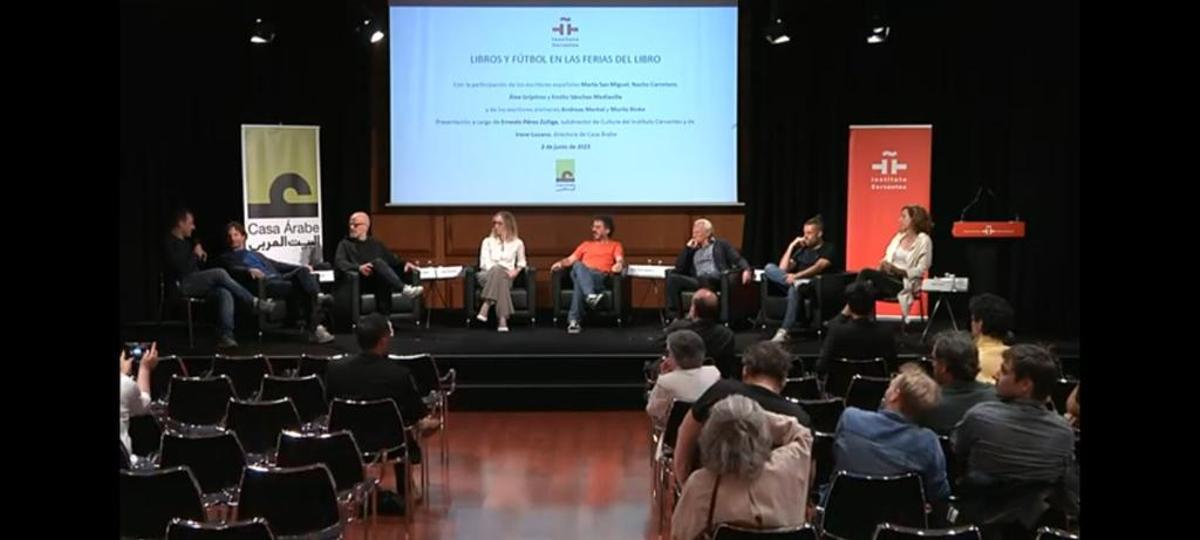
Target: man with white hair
{"type": "Point", "coordinates": [377, 265]}
{"type": "Point", "coordinates": [704, 259]}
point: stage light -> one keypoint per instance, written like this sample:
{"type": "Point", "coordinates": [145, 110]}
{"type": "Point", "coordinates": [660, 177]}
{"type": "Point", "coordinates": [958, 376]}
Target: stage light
{"type": "Point", "coordinates": [262, 33]}
{"type": "Point", "coordinates": [777, 33]}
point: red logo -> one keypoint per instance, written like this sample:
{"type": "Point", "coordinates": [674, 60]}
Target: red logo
{"type": "Point", "coordinates": [564, 27]}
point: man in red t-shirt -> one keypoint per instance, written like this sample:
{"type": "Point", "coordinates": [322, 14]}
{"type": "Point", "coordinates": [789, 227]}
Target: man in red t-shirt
{"type": "Point", "coordinates": [599, 256]}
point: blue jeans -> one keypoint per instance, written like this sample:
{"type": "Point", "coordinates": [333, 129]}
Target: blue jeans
{"type": "Point", "coordinates": [217, 285]}
{"type": "Point", "coordinates": [795, 294]}
{"type": "Point", "coordinates": [587, 281]}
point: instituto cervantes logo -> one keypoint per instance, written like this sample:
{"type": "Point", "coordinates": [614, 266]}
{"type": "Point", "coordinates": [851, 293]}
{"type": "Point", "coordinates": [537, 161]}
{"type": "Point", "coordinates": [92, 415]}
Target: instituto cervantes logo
{"type": "Point", "coordinates": [889, 171]}
{"type": "Point", "coordinates": [563, 35]}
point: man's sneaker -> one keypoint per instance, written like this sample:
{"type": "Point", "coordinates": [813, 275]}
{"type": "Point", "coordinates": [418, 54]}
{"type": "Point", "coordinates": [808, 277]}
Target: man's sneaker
{"type": "Point", "coordinates": [263, 305]}
{"type": "Point", "coordinates": [412, 291]}
{"type": "Point", "coordinates": [226, 342]}
{"type": "Point", "coordinates": [781, 335]}
{"type": "Point", "coordinates": [320, 335]}
{"type": "Point", "coordinates": [573, 327]}
{"type": "Point", "coordinates": [594, 299]}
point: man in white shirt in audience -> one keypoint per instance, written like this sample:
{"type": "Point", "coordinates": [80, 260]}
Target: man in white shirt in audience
{"type": "Point", "coordinates": [681, 375]}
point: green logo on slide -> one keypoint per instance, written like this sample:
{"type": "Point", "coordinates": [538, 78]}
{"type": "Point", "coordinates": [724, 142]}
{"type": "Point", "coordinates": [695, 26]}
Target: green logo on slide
{"type": "Point", "coordinates": [564, 172]}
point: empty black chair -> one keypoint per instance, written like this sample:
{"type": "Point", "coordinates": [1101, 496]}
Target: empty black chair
{"type": "Point", "coordinates": [887, 531]}
{"type": "Point", "coordinates": [1051, 533]}
{"type": "Point", "coordinates": [1062, 390]}
{"type": "Point", "coordinates": [199, 401]}
{"type": "Point", "coordinates": [312, 365]}
{"type": "Point", "coordinates": [802, 388]}
{"type": "Point", "coordinates": [160, 378]}
{"type": "Point", "coordinates": [866, 392]}
{"type": "Point", "coordinates": [148, 500]}
{"type": "Point", "coordinates": [284, 364]}
{"type": "Point", "coordinates": [145, 433]}
{"type": "Point", "coordinates": [246, 372]}
{"type": "Point", "coordinates": [253, 529]}
{"type": "Point", "coordinates": [858, 503]}
{"type": "Point", "coordinates": [1068, 367]}
{"type": "Point", "coordinates": [216, 460]}
{"type": "Point", "coordinates": [259, 423]}
{"type": "Point", "coordinates": [822, 454]}
{"type": "Point", "coordinates": [841, 371]}
{"type": "Point", "coordinates": [824, 413]}
{"type": "Point", "coordinates": [295, 501]}
{"type": "Point", "coordinates": [726, 531]}
{"type": "Point", "coordinates": [380, 433]}
{"type": "Point", "coordinates": [307, 394]}
{"type": "Point", "coordinates": [197, 366]}
{"type": "Point", "coordinates": [338, 452]}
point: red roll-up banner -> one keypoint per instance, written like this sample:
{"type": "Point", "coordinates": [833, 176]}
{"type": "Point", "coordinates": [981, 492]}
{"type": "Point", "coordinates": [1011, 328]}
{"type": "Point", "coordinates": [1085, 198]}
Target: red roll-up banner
{"type": "Point", "coordinates": [890, 167]}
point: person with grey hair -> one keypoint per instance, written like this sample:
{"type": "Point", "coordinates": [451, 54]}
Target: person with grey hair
{"type": "Point", "coordinates": [681, 375]}
{"type": "Point", "coordinates": [955, 367]}
{"type": "Point", "coordinates": [889, 442]}
{"type": "Point", "coordinates": [704, 259]}
{"type": "Point", "coordinates": [757, 465]}
{"type": "Point", "coordinates": [765, 366]}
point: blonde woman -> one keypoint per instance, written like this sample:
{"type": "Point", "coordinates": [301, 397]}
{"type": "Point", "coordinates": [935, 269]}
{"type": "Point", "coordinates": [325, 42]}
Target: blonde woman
{"type": "Point", "coordinates": [501, 258]}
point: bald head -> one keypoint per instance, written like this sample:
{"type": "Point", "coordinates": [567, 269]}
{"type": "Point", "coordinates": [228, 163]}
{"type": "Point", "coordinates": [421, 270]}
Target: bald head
{"type": "Point", "coordinates": [705, 305]}
{"type": "Point", "coordinates": [360, 223]}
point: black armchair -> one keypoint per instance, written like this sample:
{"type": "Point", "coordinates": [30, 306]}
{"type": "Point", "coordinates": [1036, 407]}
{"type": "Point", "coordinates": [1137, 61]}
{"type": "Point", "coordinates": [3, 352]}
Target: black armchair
{"type": "Point", "coordinates": [830, 298]}
{"type": "Point", "coordinates": [524, 293]}
{"type": "Point", "coordinates": [615, 300]}
{"type": "Point", "coordinates": [353, 301]}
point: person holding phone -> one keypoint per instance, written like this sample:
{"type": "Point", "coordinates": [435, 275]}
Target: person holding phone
{"type": "Point", "coordinates": [135, 396]}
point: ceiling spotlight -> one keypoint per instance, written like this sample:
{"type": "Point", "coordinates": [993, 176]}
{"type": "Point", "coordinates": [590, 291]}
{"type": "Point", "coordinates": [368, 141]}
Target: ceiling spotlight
{"type": "Point", "coordinates": [370, 27]}
{"type": "Point", "coordinates": [878, 30]}
{"type": "Point", "coordinates": [262, 33]}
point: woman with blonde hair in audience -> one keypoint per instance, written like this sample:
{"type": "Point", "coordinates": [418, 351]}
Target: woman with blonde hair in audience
{"type": "Point", "coordinates": [756, 473]}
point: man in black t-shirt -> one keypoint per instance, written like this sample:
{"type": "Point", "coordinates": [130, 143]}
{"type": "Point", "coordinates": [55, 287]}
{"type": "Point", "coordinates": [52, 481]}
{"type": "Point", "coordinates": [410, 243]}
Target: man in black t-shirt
{"type": "Point", "coordinates": [765, 367]}
{"type": "Point", "coordinates": [803, 259]}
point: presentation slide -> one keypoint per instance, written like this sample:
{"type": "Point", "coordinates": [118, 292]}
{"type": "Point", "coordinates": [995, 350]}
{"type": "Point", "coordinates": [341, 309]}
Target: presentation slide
{"type": "Point", "coordinates": [545, 104]}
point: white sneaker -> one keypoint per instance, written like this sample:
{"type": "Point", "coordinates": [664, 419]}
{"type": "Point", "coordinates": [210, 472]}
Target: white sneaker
{"type": "Point", "coordinates": [781, 335]}
{"type": "Point", "coordinates": [573, 327]}
{"type": "Point", "coordinates": [412, 291]}
{"type": "Point", "coordinates": [593, 300]}
{"type": "Point", "coordinates": [501, 328]}
{"type": "Point", "coordinates": [321, 335]}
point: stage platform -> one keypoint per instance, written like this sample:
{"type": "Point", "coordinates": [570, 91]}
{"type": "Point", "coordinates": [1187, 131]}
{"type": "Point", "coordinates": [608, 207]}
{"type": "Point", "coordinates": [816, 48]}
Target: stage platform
{"type": "Point", "coordinates": [529, 368]}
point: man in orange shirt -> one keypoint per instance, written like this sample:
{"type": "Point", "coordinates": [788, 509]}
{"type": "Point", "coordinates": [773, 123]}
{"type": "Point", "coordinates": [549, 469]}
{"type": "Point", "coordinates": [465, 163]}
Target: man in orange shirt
{"type": "Point", "coordinates": [599, 257]}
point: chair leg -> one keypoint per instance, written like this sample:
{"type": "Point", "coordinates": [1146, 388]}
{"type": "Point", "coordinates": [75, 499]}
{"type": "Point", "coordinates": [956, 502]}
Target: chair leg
{"type": "Point", "coordinates": [191, 331]}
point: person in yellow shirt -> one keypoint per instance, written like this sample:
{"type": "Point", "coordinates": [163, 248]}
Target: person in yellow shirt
{"type": "Point", "coordinates": [991, 326]}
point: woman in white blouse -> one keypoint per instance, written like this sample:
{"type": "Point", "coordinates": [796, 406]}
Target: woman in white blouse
{"type": "Point", "coordinates": [501, 258]}
{"type": "Point", "coordinates": [908, 257]}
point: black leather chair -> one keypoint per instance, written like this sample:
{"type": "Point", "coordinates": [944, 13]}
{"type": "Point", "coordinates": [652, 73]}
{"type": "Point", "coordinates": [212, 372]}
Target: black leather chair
{"type": "Point", "coordinates": [830, 298]}
{"type": "Point", "coordinates": [352, 300]}
{"type": "Point", "coordinates": [150, 499]}
{"type": "Point", "coordinates": [614, 303]}
{"type": "Point", "coordinates": [524, 293]}
{"type": "Point", "coordinates": [170, 295]}
{"type": "Point", "coordinates": [857, 504]}
{"type": "Point", "coordinates": [735, 298]}
{"type": "Point", "coordinates": [252, 529]}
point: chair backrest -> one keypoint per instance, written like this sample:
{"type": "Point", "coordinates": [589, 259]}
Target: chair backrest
{"type": "Point", "coordinates": [822, 454]}
{"type": "Point", "coordinates": [123, 461]}
{"type": "Point", "coordinates": [216, 459]}
{"type": "Point", "coordinates": [888, 531]}
{"type": "Point", "coordinates": [803, 365]}
{"type": "Point", "coordinates": [199, 400]}
{"type": "Point", "coordinates": [160, 378]}
{"type": "Point", "coordinates": [312, 365]}
{"type": "Point", "coordinates": [802, 388]}
{"type": "Point", "coordinates": [284, 364]}
{"type": "Point", "coordinates": [679, 410]}
{"type": "Point", "coordinates": [858, 503]}
{"type": "Point", "coordinates": [197, 366]}
{"type": "Point", "coordinates": [424, 371]}
{"type": "Point", "coordinates": [337, 451]}
{"type": "Point", "coordinates": [1068, 366]}
{"type": "Point", "coordinates": [842, 370]}
{"type": "Point", "coordinates": [148, 500]}
{"type": "Point", "coordinates": [866, 392]}
{"type": "Point", "coordinates": [251, 529]}
{"type": "Point", "coordinates": [1051, 533]}
{"type": "Point", "coordinates": [307, 394]}
{"type": "Point", "coordinates": [296, 500]}
{"type": "Point", "coordinates": [246, 372]}
{"type": "Point", "coordinates": [824, 413]}
{"type": "Point", "coordinates": [1062, 390]}
{"type": "Point", "coordinates": [145, 432]}
{"type": "Point", "coordinates": [726, 531]}
{"type": "Point", "coordinates": [954, 468]}
{"type": "Point", "coordinates": [259, 423]}
{"type": "Point", "coordinates": [377, 425]}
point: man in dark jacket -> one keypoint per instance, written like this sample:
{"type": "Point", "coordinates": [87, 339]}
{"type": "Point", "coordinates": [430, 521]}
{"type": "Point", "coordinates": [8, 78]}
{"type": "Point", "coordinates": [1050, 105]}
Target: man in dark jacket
{"type": "Point", "coordinates": [704, 259]}
{"type": "Point", "coordinates": [378, 267]}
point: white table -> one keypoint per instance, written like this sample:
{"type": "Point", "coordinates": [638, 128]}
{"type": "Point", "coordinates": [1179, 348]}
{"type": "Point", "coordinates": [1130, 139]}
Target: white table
{"type": "Point", "coordinates": [653, 273]}
{"type": "Point", "coordinates": [940, 287]}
